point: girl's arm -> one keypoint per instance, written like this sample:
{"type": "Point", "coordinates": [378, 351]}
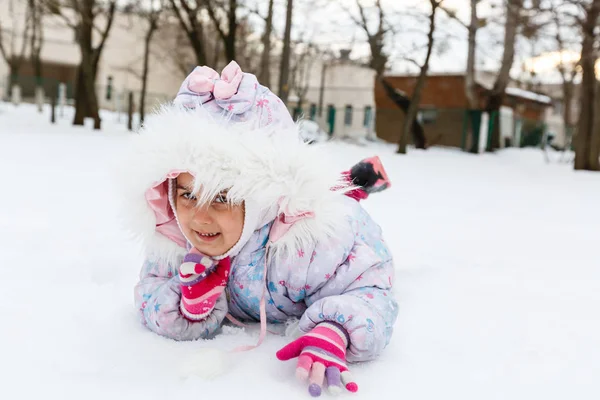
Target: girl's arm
{"type": "Point", "coordinates": [158, 299]}
{"type": "Point", "coordinates": [350, 283]}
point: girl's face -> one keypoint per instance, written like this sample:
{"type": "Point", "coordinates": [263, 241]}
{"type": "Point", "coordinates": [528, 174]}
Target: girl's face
{"type": "Point", "coordinates": [212, 228]}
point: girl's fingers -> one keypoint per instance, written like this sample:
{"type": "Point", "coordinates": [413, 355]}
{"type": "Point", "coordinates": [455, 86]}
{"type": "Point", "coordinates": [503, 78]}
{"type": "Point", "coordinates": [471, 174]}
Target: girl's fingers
{"type": "Point", "coordinates": [303, 367]}
{"type": "Point", "coordinates": [317, 375]}
{"type": "Point", "coordinates": [348, 382]}
{"type": "Point", "coordinates": [334, 380]}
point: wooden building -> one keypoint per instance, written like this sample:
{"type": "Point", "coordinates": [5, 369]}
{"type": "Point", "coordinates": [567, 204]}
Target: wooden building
{"type": "Point", "coordinates": [443, 108]}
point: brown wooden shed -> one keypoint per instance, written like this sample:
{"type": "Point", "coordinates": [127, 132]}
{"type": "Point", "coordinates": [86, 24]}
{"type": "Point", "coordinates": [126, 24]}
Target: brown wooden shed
{"type": "Point", "coordinates": [443, 105]}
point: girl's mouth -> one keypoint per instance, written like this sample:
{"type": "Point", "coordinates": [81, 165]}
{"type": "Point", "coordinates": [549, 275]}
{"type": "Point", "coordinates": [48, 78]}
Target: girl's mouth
{"type": "Point", "coordinates": [207, 237]}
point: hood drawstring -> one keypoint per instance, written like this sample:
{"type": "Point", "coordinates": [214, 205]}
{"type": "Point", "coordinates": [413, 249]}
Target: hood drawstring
{"type": "Point", "coordinates": [263, 312]}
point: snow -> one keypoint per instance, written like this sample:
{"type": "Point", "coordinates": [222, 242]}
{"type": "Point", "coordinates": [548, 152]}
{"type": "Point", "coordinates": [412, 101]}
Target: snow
{"type": "Point", "coordinates": [526, 94]}
{"type": "Point", "coordinates": [498, 279]}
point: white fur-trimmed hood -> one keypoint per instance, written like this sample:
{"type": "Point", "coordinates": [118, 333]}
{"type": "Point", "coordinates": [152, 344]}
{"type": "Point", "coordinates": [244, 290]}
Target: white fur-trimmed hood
{"type": "Point", "coordinates": [271, 167]}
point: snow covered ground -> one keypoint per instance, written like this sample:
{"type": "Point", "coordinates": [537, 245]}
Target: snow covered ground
{"type": "Point", "coordinates": [498, 278]}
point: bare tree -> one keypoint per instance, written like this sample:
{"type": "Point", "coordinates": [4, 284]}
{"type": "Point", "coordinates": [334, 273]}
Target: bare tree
{"type": "Point", "coordinates": [379, 57]}
{"type": "Point", "coordinates": [470, 85]}
{"type": "Point", "coordinates": [470, 79]}
{"type": "Point", "coordinates": [587, 141]}
{"type": "Point", "coordinates": [301, 72]}
{"type": "Point", "coordinates": [249, 50]}
{"type": "Point", "coordinates": [265, 58]}
{"type": "Point", "coordinates": [378, 61]}
{"type": "Point", "coordinates": [227, 29]}
{"type": "Point", "coordinates": [189, 14]}
{"type": "Point", "coordinates": [568, 70]}
{"type": "Point", "coordinates": [284, 71]}
{"type": "Point", "coordinates": [152, 15]}
{"type": "Point", "coordinates": [415, 100]}
{"type": "Point", "coordinates": [496, 96]}
{"type": "Point", "coordinates": [83, 19]}
{"type": "Point", "coordinates": [36, 12]}
{"type": "Point", "coordinates": [173, 47]}
{"type": "Point", "coordinates": [13, 57]}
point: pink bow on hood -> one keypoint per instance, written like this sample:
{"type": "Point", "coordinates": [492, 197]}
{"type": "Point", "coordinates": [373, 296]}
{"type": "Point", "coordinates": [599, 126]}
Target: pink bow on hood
{"type": "Point", "coordinates": [206, 80]}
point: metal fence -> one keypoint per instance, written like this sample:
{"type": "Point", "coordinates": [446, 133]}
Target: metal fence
{"type": "Point", "coordinates": [453, 127]}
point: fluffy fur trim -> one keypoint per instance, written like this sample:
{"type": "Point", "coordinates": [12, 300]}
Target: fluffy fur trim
{"type": "Point", "coordinates": [270, 166]}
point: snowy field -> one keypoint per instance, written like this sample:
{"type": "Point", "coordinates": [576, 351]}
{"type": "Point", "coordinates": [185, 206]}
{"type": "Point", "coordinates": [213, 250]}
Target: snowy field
{"type": "Point", "coordinates": [498, 279]}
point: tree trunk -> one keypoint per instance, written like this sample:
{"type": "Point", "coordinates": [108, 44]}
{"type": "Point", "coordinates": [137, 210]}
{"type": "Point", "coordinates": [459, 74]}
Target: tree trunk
{"type": "Point", "coordinates": [265, 59]}
{"type": "Point", "coordinates": [415, 100]}
{"type": "Point", "coordinates": [13, 75]}
{"type": "Point", "coordinates": [194, 32]}
{"type": "Point", "coordinates": [585, 131]}
{"type": "Point", "coordinates": [217, 55]}
{"type": "Point", "coordinates": [36, 40]}
{"type": "Point", "coordinates": [85, 96]}
{"type": "Point", "coordinates": [403, 103]}
{"type": "Point", "coordinates": [470, 76]}
{"type": "Point", "coordinates": [284, 74]}
{"type": "Point", "coordinates": [230, 38]}
{"type": "Point", "coordinates": [86, 99]}
{"type": "Point", "coordinates": [199, 49]}
{"type": "Point", "coordinates": [594, 153]}
{"type": "Point", "coordinates": [568, 91]}
{"type": "Point", "coordinates": [568, 94]}
{"type": "Point", "coordinates": [81, 103]}
{"type": "Point", "coordinates": [496, 96]}
{"type": "Point", "coordinates": [147, 42]}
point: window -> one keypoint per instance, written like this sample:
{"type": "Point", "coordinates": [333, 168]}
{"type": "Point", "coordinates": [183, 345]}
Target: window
{"type": "Point", "coordinates": [427, 115]}
{"type": "Point", "coordinates": [331, 118]}
{"type": "Point", "coordinates": [368, 116]}
{"type": "Point", "coordinates": [313, 111]}
{"type": "Point", "coordinates": [348, 115]}
{"type": "Point", "coordinates": [109, 88]}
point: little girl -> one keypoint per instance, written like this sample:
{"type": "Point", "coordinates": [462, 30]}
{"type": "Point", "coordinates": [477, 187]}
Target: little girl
{"type": "Point", "coordinates": [241, 219]}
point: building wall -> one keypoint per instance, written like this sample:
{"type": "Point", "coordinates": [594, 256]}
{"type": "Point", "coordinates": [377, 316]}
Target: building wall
{"type": "Point", "coordinates": [346, 84]}
{"type": "Point", "coordinates": [443, 95]}
{"type": "Point", "coordinates": [121, 58]}
{"type": "Point", "coordinates": [443, 105]}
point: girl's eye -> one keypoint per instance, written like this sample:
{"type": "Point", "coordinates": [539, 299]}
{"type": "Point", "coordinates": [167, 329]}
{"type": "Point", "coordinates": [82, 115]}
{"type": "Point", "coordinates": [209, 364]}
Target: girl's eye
{"type": "Point", "coordinates": [188, 196]}
{"type": "Point", "coordinates": [220, 199]}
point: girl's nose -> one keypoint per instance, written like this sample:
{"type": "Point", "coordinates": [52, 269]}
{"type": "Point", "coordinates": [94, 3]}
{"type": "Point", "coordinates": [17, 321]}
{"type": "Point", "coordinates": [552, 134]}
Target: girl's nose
{"type": "Point", "coordinates": [202, 215]}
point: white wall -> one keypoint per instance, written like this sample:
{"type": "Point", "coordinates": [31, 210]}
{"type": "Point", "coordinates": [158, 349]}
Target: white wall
{"type": "Point", "coordinates": [346, 83]}
{"type": "Point", "coordinates": [122, 54]}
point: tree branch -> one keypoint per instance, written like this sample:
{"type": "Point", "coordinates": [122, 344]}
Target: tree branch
{"type": "Point", "coordinates": [104, 35]}
{"type": "Point", "coordinates": [213, 16]}
{"type": "Point", "coordinates": [363, 18]}
{"type": "Point", "coordinates": [59, 11]}
{"type": "Point", "coordinates": [179, 16]}
{"type": "Point", "coordinates": [2, 49]}
{"type": "Point", "coordinates": [452, 15]}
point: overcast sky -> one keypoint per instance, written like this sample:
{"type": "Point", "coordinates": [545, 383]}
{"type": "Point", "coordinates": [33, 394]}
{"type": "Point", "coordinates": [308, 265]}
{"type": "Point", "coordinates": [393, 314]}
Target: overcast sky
{"type": "Point", "coordinates": [328, 24]}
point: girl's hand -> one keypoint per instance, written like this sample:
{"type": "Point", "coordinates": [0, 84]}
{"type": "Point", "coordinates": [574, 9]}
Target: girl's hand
{"type": "Point", "coordinates": [203, 280]}
{"type": "Point", "coordinates": [321, 354]}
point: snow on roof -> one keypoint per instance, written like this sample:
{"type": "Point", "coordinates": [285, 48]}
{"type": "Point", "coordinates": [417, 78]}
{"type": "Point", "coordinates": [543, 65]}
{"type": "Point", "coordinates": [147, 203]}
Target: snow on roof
{"type": "Point", "coordinates": [526, 94]}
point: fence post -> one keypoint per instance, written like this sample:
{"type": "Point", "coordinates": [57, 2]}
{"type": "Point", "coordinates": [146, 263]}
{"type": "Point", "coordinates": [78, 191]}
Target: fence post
{"type": "Point", "coordinates": [62, 97]}
{"type": "Point", "coordinates": [118, 105]}
{"type": "Point", "coordinates": [39, 98]}
{"type": "Point", "coordinates": [130, 112]}
{"type": "Point", "coordinates": [53, 106]}
{"type": "Point", "coordinates": [16, 95]}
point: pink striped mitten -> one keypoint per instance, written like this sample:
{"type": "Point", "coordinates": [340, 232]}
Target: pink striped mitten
{"type": "Point", "coordinates": [321, 354]}
{"type": "Point", "coordinates": [203, 280]}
